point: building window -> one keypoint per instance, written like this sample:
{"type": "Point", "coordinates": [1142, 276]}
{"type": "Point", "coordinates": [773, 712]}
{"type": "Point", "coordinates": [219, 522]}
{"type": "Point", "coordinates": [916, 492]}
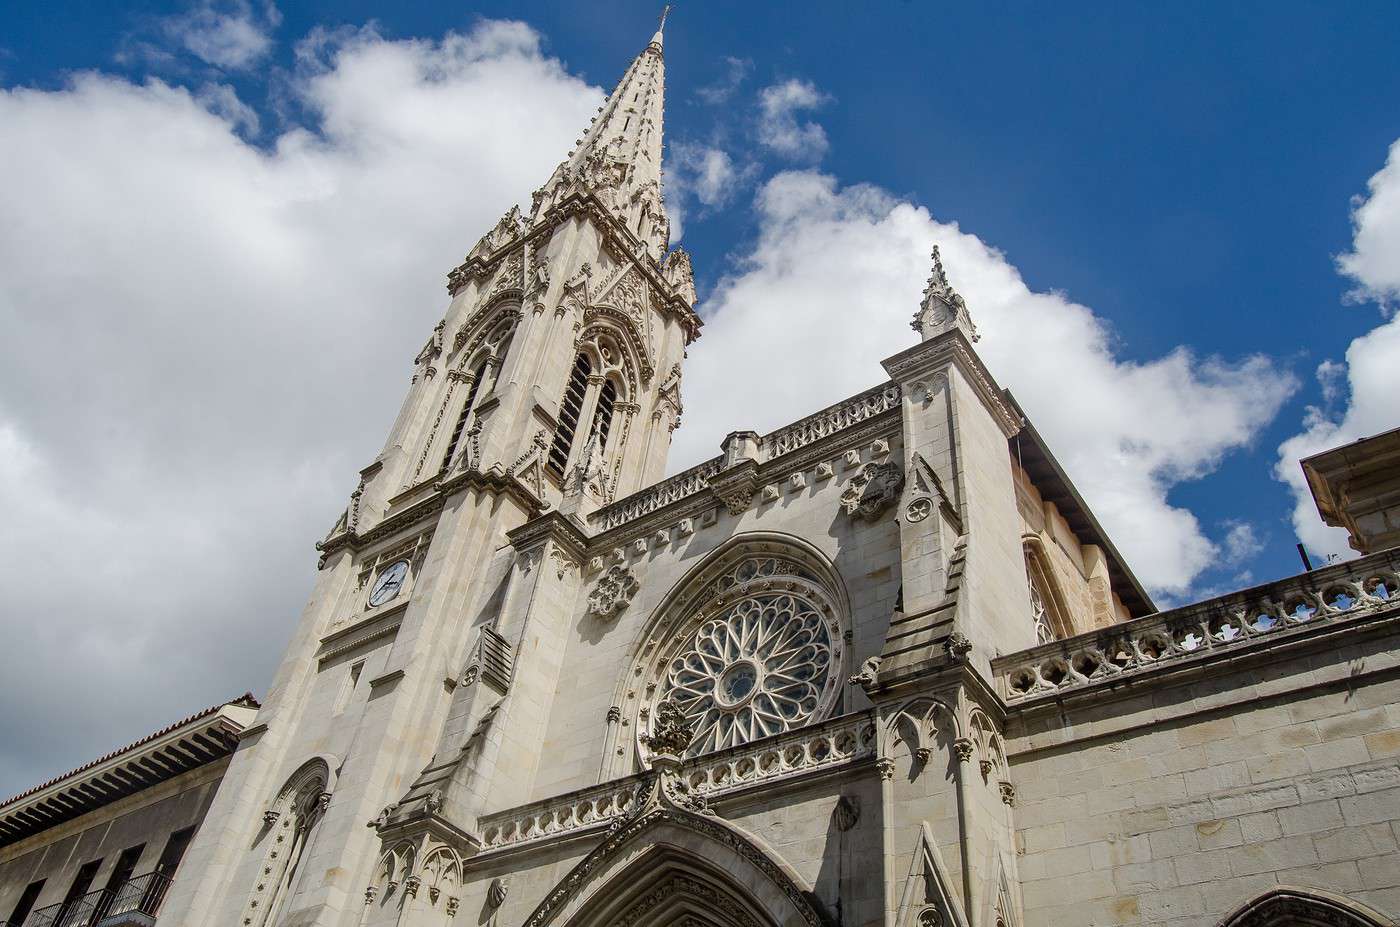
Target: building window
{"type": "Point", "coordinates": [461, 425]}
{"type": "Point", "coordinates": [121, 873]}
{"type": "Point", "coordinates": [26, 902]}
{"type": "Point", "coordinates": [603, 416]}
{"type": "Point", "coordinates": [761, 659]}
{"type": "Point", "coordinates": [569, 411]}
{"type": "Point", "coordinates": [81, 883]}
{"type": "Point", "coordinates": [1043, 633]}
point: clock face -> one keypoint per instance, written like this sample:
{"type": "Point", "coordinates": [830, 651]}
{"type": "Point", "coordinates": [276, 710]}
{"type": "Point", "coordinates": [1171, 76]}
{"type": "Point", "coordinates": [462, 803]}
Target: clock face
{"type": "Point", "coordinates": [389, 583]}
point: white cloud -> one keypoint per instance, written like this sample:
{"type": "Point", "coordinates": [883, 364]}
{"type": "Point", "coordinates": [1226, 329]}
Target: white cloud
{"type": "Point", "coordinates": [703, 175]}
{"type": "Point", "coordinates": [232, 35]}
{"type": "Point", "coordinates": [778, 126]}
{"type": "Point", "coordinates": [1374, 259]}
{"type": "Point", "coordinates": [205, 340]}
{"type": "Point", "coordinates": [828, 292]}
{"type": "Point", "coordinates": [1371, 371]}
{"type": "Point", "coordinates": [1241, 543]}
{"type": "Point", "coordinates": [735, 72]}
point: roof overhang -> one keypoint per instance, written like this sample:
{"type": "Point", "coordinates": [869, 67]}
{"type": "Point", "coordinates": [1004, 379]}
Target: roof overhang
{"type": "Point", "coordinates": [203, 738]}
{"type": "Point", "coordinates": [1029, 449]}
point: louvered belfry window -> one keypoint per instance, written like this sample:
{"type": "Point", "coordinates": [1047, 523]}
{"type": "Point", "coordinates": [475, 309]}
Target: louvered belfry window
{"type": "Point", "coordinates": [569, 411]}
{"type": "Point", "coordinates": [602, 418]}
{"type": "Point", "coordinates": [466, 413]}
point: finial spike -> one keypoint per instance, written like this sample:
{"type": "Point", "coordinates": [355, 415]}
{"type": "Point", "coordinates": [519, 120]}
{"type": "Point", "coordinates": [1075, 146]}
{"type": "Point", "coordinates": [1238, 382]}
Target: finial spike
{"type": "Point", "coordinates": [666, 11]}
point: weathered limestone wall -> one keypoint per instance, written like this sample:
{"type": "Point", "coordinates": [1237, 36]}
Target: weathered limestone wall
{"type": "Point", "coordinates": [1180, 803]}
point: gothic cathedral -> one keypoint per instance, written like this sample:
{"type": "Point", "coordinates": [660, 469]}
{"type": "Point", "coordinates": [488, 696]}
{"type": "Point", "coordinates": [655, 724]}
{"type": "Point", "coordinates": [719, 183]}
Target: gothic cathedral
{"type": "Point", "coordinates": [879, 668]}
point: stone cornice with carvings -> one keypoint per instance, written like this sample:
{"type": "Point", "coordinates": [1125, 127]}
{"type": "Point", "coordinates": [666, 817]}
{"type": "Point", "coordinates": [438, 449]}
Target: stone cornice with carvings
{"type": "Point", "coordinates": [563, 530]}
{"type": "Point", "coordinates": [953, 347]}
{"type": "Point", "coordinates": [492, 481]}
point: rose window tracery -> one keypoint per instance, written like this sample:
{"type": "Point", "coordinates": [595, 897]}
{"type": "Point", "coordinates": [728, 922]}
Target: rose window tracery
{"type": "Point", "coordinates": [763, 659]}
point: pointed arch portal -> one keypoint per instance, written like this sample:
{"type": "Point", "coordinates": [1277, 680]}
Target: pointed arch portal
{"type": "Point", "coordinates": [1304, 907]}
{"type": "Point", "coordinates": [674, 868]}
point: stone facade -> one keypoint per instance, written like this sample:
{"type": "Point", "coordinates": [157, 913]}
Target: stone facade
{"type": "Point", "coordinates": [878, 667]}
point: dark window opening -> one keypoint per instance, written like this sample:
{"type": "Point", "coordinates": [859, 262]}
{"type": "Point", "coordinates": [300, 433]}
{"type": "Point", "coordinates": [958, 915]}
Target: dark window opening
{"type": "Point", "coordinates": [569, 411]}
{"type": "Point", "coordinates": [602, 417]}
{"type": "Point", "coordinates": [81, 883]}
{"type": "Point", "coordinates": [121, 873]}
{"type": "Point", "coordinates": [466, 413]}
{"type": "Point", "coordinates": [26, 902]}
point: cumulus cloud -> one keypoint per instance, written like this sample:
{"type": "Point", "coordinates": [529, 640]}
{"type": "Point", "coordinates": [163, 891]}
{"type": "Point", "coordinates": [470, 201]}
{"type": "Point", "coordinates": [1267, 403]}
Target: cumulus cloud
{"type": "Point", "coordinates": [779, 128]}
{"type": "Point", "coordinates": [206, 339]}
{"type": "Point", "coordinates": [1372, 261]}
{"type": "Point", "coordinates": [233, 35]}
{"type": "Point", "coordinates": [1241, 542]}
{"type": "Point", "coordinates": [828, 291]}
{"type": "Point", "coordinates": [1369, 380]}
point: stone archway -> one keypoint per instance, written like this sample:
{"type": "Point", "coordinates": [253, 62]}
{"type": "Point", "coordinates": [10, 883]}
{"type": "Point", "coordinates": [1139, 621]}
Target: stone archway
{"type": "Point", "coordinates": [1304, 907]}
{"type": "Point", "coordinates": [671, 867]}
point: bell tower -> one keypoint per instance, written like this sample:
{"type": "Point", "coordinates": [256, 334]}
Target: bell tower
{"type": "Point", "coordinates": [558, 362]}
{"type": "Point", "coordinates": [550, 388]}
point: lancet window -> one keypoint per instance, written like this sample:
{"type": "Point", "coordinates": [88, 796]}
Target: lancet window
{"type": "Point", "coordinates": [289, 826]}
{"type": "Point", "coordinates": [472, 389]}
{"type": "Point", "coordinates": [595, 390]}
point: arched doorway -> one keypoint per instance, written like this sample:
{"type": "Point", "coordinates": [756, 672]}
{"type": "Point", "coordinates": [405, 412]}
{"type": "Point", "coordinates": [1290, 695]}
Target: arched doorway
{"type": "Point", "coordinates": [1303, 907]}
{"type": "Point", "coordinates": [673, 868]}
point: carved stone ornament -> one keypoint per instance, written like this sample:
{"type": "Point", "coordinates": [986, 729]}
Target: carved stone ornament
{"type": "Point", "coordinates": [873, 489]}
{"type": "Point", "coordinates": [270, 817]}
{"type": "Point", "coordinates": [1008, 792]}
{"type": "Point", "coordinates": [847, 812]}
{"type": "Point", "coordinates": [869, 672]}
{"type": "Point", "coordinates": [383, 818]}
{"type": "Point", "coordinates": [452, 903]}
{"type": "Point", "coordinates": [613, 592]}
{"type": "Point", "coordinates": [496, 894]}
{"type": "Point", "coordinates": [957, 646]}
{"type": "Point", "coordinates": [964, 748]}
{"type": "Point", "coordinates": [432, 804]}
{"type": "Point", "coordinates": [670, 730]}
{"type": "Point", "coordinates": [411, 886]}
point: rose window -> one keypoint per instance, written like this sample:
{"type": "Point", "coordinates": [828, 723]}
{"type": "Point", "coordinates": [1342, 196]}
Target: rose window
{"type": "Point", "coordinates": [763, 664]}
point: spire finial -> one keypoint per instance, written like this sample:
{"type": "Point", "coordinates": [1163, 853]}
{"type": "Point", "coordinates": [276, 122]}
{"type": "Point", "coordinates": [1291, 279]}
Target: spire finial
{"type": "Point", "coordinates": [942, 308]}
{"type": "Point", "coordinates": [661, 26]}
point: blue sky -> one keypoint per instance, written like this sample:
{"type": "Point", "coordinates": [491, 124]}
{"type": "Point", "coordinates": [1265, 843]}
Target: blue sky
{"type": "Point", "coordinates": [231, 214]}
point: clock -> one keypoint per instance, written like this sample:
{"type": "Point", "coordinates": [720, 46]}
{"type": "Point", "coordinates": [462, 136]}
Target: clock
{"type": "Point", "coordinates": [389, 583]}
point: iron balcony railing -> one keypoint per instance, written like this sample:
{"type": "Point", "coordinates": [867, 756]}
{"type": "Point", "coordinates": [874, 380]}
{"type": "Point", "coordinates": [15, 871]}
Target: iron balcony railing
{"type": "Point", "coordinates": [141, 894]}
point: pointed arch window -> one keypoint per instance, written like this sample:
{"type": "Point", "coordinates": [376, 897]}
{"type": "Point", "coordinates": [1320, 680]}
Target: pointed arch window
{"type": "Point", "coordinates": [603, 415]}
{"type": "Point", "coordinates": [569, 411]}
{"type": "Point", "coordinates": [467, 406]}
{"type": "Point", "coordinates": [1040, 615]}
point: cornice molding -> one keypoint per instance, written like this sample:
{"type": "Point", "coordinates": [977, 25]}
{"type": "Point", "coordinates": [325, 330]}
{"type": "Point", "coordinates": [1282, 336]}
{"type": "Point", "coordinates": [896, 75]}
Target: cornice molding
{"type": "Point", "coordinates": [952, 347]}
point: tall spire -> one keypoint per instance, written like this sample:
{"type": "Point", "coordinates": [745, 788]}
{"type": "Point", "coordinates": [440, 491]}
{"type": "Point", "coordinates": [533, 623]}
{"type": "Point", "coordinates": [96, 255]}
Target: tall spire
{"type": "Point", "coordinates": [627, 130]}
{"type": "Point", "coordinates": [942, 309]}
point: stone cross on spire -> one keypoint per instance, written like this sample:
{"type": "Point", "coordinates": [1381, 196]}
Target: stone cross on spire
{"type": "Point", "coordinates": [942, 308]}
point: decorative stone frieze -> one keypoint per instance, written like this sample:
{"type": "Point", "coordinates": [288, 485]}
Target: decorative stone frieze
{"type": "Point", "coordinates": [613, 591]}
{"type": "Point", "coordinates": [873, 489]}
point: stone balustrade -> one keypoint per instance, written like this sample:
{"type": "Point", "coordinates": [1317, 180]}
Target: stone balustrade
{"type": "Point", "coordinates": [683, 485]}
{"type": "Point", "coordinates": [829, 421]}
{"type": "Point", "coordinates": [1235, 622]}
{"type": "Point", "coordinates": [797, 753]}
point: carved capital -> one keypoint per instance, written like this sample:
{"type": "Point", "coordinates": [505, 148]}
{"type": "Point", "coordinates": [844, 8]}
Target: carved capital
{"type": "Point", "coordinates": [1008, 792]}
{"type": "Point", "coordinates": [964, 748]}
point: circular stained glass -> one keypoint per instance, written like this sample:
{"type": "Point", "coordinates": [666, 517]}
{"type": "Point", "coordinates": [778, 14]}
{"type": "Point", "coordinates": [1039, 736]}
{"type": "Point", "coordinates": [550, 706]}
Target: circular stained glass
{"type": "Point", "coordinates": [765, 666]}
